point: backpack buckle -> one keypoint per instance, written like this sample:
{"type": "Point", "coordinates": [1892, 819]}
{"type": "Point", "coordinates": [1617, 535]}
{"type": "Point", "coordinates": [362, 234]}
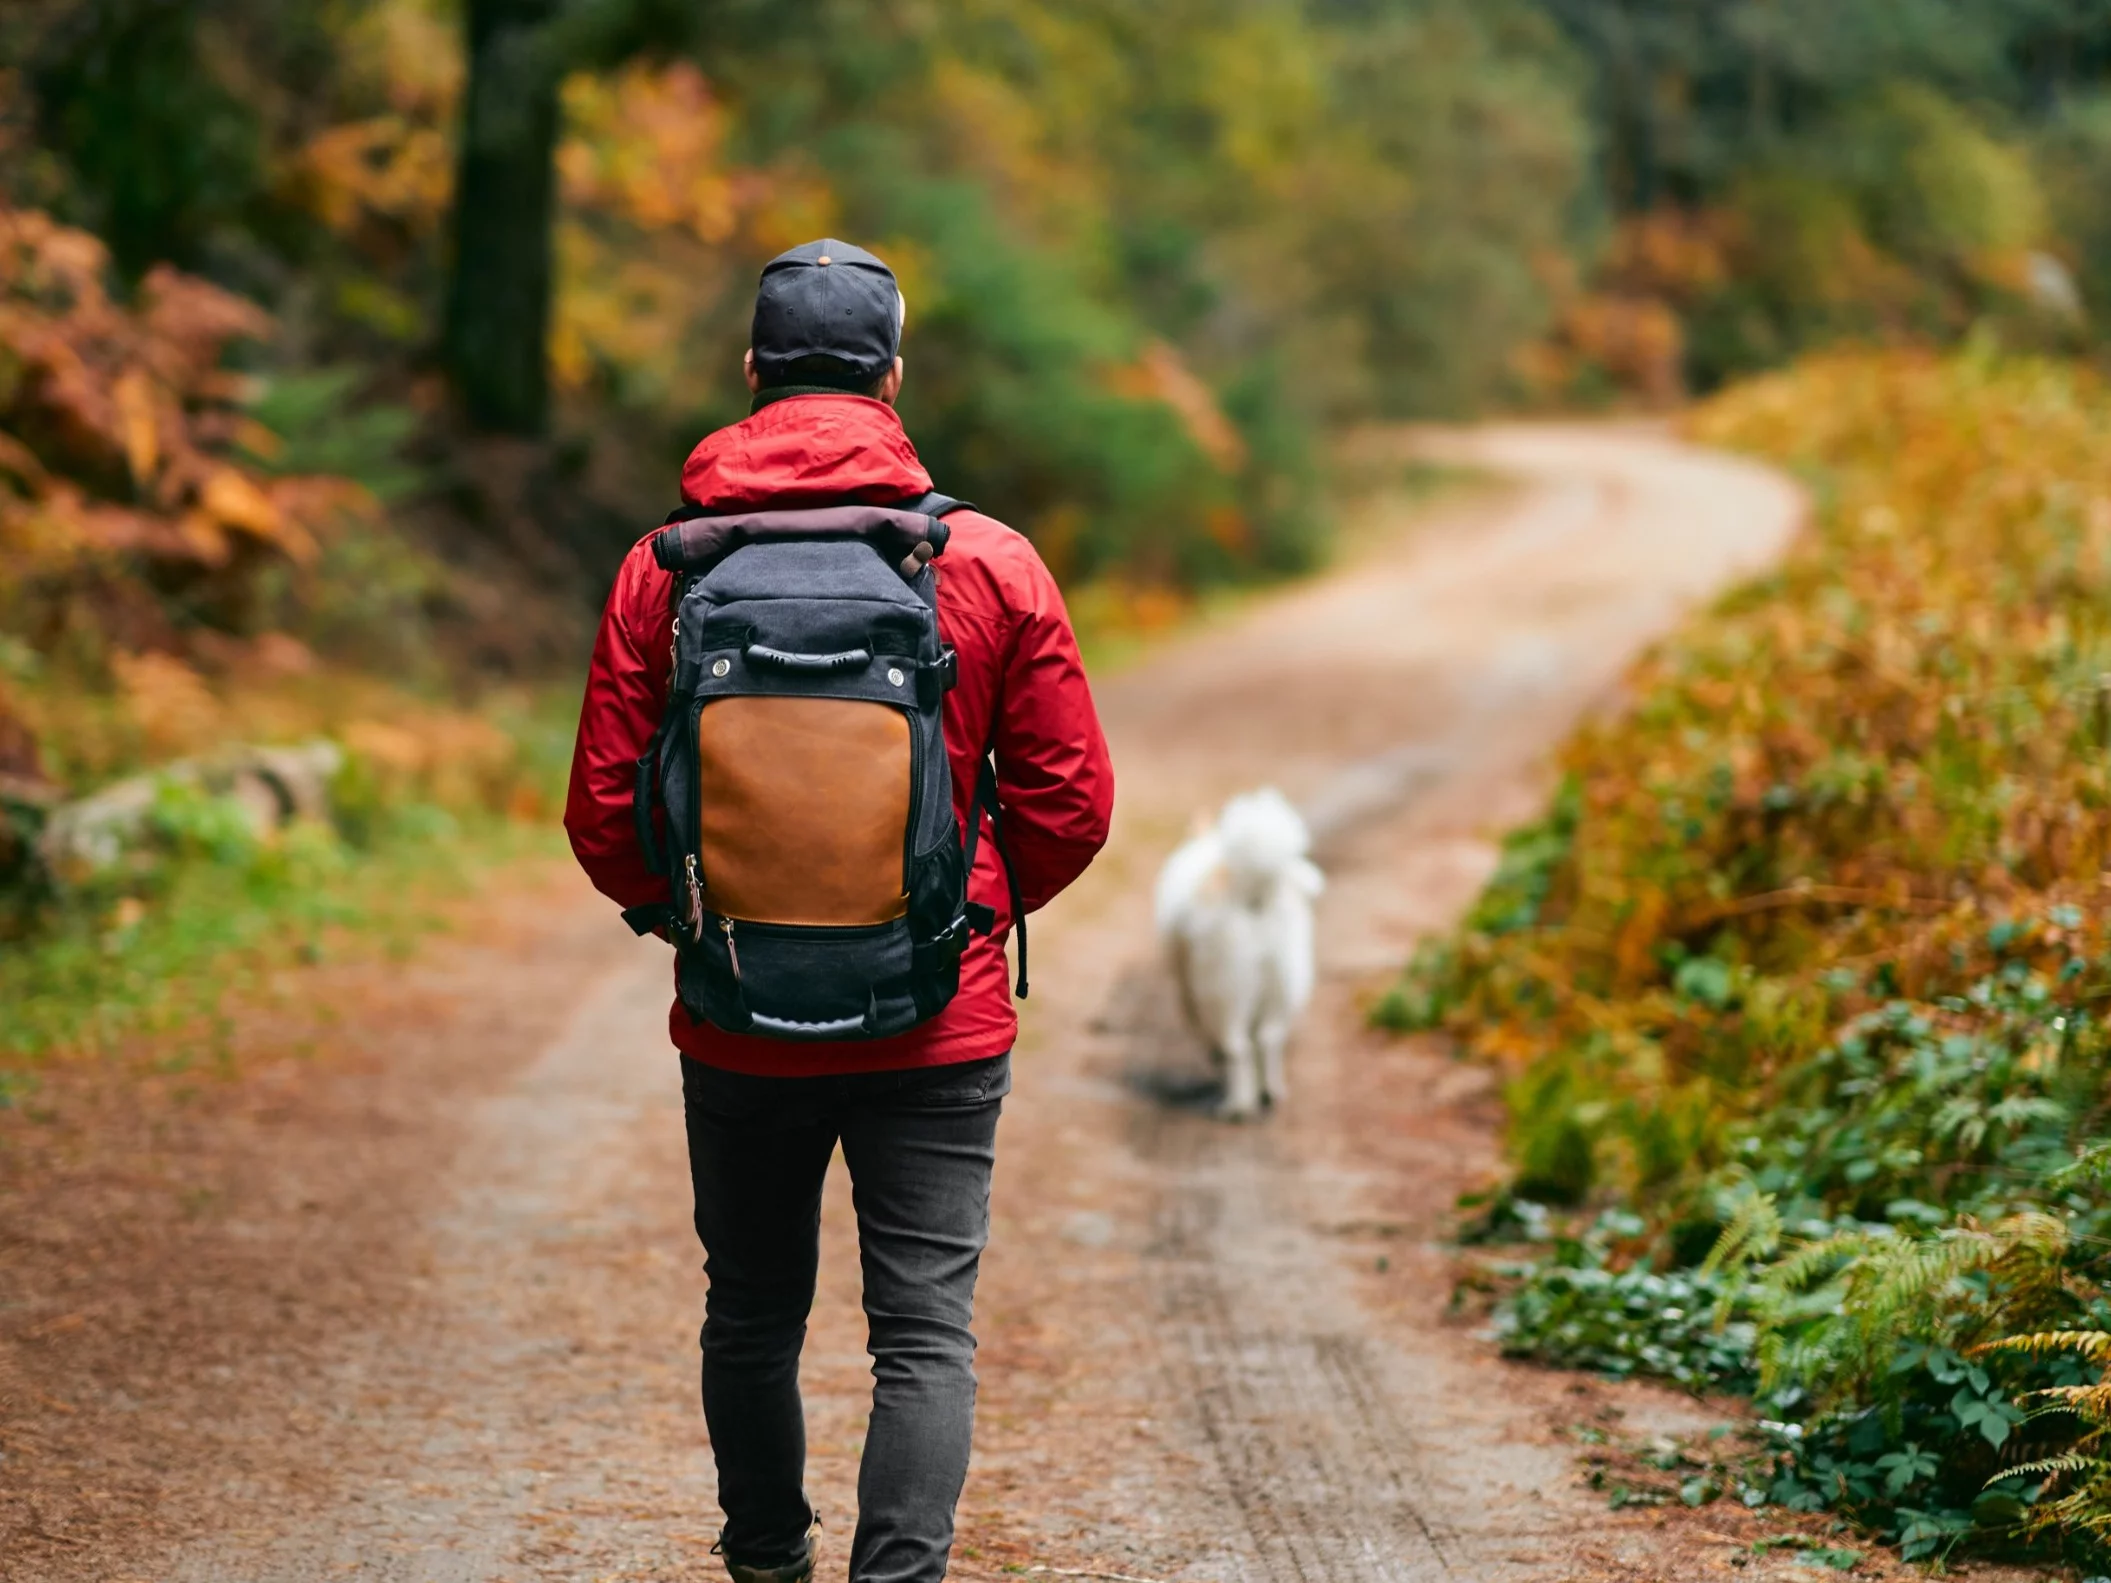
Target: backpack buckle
{"type": "Point", "coordinates": [935, 680]}
{"type": "Point", "coordinates": [650, 918]}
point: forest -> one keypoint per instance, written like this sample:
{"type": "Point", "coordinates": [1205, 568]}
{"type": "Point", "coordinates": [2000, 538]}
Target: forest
{"type": "Point", "coordinates": [346, 345]}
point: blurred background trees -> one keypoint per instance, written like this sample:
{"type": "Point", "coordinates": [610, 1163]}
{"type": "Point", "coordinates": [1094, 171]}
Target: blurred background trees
{"type": "Point", "coordinates": [1789, 172]}
{"type": "Point", "coordinates": [1149, 254]}
{"type": "Point", "coordinates": [501, 250]}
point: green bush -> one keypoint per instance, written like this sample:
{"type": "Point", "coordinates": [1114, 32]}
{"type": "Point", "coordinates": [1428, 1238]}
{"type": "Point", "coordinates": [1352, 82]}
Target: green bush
{"type": "Point", "coordinates": [1933, 185]}
{"type": "Point", "coordinates": [2074, 160]}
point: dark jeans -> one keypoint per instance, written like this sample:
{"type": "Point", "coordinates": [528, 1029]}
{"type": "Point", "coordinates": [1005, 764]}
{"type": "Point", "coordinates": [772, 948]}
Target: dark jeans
{"type": "Point", "coordinates": [920, 1146]}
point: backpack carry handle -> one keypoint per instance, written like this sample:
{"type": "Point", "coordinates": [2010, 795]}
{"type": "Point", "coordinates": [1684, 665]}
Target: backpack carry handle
{"type": "Point", "coordinates": [694, 544]}
{"type": "Point", "coordinates": [813, 1032]}
{"type": "Point", "coordinates": [808, 664]}
{"type": "Point", "coordinates": [862, 1027]}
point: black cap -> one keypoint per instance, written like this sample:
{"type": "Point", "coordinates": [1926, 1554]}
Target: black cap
{"type": "Point", "coordinates": [826, 313]}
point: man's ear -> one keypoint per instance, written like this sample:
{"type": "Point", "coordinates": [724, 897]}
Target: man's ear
{"type": "Point", "coordinates": [747, 366]}
{"type": "Point", "coordinates": [891, 383]}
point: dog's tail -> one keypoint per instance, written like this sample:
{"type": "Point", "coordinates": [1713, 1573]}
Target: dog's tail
{"type": "Point", "coordinates": [1264, 843]}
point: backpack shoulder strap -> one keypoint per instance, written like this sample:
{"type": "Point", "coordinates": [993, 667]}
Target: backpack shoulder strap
{"type": "Point", "coordinates": [984, 805]}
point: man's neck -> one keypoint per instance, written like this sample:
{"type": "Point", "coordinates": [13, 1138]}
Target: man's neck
{"type": "Point", "coordinates": [780, 392]}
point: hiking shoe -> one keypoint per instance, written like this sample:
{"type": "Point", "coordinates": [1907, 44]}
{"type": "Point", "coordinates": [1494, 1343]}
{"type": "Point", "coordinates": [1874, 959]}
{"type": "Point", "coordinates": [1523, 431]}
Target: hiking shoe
{"type": "Point", "coordinates": [794, 1572]}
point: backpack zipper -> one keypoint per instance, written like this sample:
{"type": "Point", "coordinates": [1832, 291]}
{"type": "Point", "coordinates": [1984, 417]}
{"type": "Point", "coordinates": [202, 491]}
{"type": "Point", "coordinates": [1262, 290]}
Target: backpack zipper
{"type": "Point", "coordinates": [913, 834]}
{"type": "Point", "coordinates": [696, 898]}
{"type": "Point", "coordinates": [725, 927]}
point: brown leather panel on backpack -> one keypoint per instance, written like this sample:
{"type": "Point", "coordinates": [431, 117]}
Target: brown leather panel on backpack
{"type": "Point", "coordinates": [804, 801]}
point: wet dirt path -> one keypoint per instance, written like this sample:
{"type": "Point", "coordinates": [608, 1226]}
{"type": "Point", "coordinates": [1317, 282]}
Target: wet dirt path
{"type": "Point", "coordinates": [437, 1322]}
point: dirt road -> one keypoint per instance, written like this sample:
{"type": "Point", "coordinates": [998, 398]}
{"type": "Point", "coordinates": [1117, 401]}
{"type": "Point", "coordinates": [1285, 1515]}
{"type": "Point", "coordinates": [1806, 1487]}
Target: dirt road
{"type": "Point", "coordinates": [423, 1308]}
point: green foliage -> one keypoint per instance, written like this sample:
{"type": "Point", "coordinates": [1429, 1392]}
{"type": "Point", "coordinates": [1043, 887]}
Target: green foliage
{"type": "Point", "coordinates": [1442, 177]}
{"type": "Point", "coordinates": [1933, 187]}
{"type": "Point", "coordinates": [1011, 393]}
{"type": "Point", "coordinates": [168, 155]}
{"type": "Point", "coordinates": [1786, 173]}
{"type": "Point", "coordinates": [320, 424]}
{"type": "Point", "coordinates": [1581, 1308]}
{"type": "Point", "coordinates": [1689, 96]}
{"type": "Point", "coordinates": [210, 922]}
{"type": "Point", "coordinates": [1531, 856]}
{"type": "Point", "coordinates": [2073, 156]}
{"type": "Point", "coordinates": [1524, 874]}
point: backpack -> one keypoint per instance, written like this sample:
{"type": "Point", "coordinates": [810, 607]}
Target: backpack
{"type": "Point", "coordinates": [797, 793]}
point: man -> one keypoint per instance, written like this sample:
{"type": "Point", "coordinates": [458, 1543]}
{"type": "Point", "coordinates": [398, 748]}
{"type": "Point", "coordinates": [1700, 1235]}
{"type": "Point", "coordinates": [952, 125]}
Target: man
{"type": "Point", "coordinates": [915, 1114]}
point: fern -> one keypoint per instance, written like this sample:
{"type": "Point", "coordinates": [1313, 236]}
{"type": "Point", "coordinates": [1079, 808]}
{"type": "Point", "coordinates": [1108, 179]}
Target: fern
{"type": "Point", "coordinates": [2090, 1403]}
{"type": "Point", "coordinates": [2094, 1345]}
{"type": "Point", "coordinates": [1882, 1287]}
{"type": "Point", "coordinates": [2053, 1467]}
{"type": "Point", "coordinates": [1754, 1233]}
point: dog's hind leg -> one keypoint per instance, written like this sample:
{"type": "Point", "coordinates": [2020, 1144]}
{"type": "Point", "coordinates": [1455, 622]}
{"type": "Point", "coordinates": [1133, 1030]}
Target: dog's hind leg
{"type": "Point", "coordinates": [1273, 1040]}
{"type": "Point", "coordinates": [1242, 1074]}
{"type": "Point", "coordinates": [1183, 980]}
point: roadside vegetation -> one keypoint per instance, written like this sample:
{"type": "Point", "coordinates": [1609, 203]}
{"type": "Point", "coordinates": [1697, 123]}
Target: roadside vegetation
{"type": "Point", "coordinates": [1799, 988]}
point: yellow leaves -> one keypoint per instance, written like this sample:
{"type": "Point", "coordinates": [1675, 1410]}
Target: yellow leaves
{"type": "Point", "coordinates": [1111, 613]}
{"type": "Point", "coordinates": [51, 264]}
{"type": "Point", "coordinates": [1863, 759]}
{"type": "Point", "coordinates": [647, 145]}
{"type": "Point", "coordinates": [1508, 1046]}
{"type": "Point", "coordinates": [1262, 77]}
{"type": "Point", "coordinates": [618, 308]}
{"type": "Point", "coordinates": [1673, 252]}
{"type": "Point", "coordinates": [21, 760]}
{"type": "Point", "coordinates": [413, 48]}
{"type": "Point", "coordinates": [232, 501]}
{"type": "Point", "coordinates": [1628, 328]}
{"type": "Point", "coordinates": [385, 168]}
{"type": "Point", "coordinates": [448, 757]}
{"type": "Point", "coordinates": [650, 202]}
{"type": "Point", "coordinates": [789, 207]}
{"type": "Point", "coordinates": [916, 275]}
{"type": "Point", "coordinates": [1634, 950]}
{"type": "Point", "coordinates": [1044, 176]}
{"type": "Point", "coordinates": [170, 704]}
{"type": "Point", "coordinates": [20, 465]}
{"type": "Point", "coordinates": [138, 426]}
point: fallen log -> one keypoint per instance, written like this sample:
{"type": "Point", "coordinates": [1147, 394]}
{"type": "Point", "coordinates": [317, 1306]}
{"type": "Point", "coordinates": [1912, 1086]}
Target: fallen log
{"type": "Point", "coordinates": [273, 787]}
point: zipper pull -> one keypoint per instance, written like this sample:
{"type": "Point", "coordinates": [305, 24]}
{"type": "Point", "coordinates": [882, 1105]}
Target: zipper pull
{"type": "Point", "coordinates": [725, 927]}
{"type": "Point", "coordinates": [696, 898]}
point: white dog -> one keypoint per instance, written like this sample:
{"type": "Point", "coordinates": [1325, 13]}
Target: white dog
{"type": "Point", "coordinates": [1235, 913]}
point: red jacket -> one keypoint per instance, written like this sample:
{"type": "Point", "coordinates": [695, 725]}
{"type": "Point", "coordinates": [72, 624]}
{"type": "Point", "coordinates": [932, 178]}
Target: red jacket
{"type": "Point", "coordinates": [999, 609]}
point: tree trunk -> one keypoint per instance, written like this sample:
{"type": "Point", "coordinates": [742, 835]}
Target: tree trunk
{"type": "Point", "coordinates": [498, 298]}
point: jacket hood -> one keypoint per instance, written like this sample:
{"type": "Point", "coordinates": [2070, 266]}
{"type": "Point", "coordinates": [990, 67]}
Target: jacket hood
{"type": "Point", "coordinates": [806, 450]}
